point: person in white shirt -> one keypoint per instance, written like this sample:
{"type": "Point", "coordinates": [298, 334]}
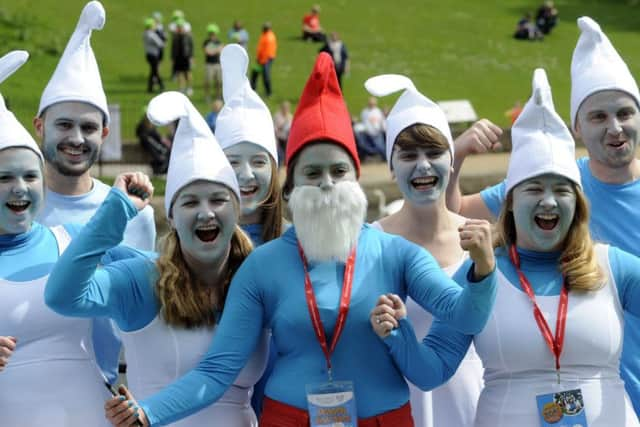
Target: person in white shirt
{"type": "Point", "coordinates": [72, 123]}
{"type": "Point", "coordinates": [371, 141]}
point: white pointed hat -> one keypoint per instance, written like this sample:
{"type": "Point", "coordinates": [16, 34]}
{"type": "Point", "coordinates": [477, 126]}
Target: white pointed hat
{"type": "Point", "coordinates": [541, 141]}
{"type": "Point", "coordinates": [411, 108]}
{"type": "Point", "coordinates": [12, 133]}
{"type": "Point", "coordinates": [244, 117]}
{"type": "Point", "coordinates": [597, 66]}
{"type": "Point", "coordinates": [195, 153]}
{"type": "Point", "coordinates": [77, 77]}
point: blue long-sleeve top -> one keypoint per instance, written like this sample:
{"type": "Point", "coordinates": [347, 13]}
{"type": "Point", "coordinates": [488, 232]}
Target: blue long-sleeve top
{"type": "Point", "coordinates": [542, 269]}
{"type": "Point", "coordinates": [122, 290]}
{"type": "Point", "coordinates": [268, 292]}
{"type": "Point", "coordinates": [30, 255]}
{"type": "Point", "coordinates": [19, 251]}
{"type": "Point", "coordinates": [254, 231]}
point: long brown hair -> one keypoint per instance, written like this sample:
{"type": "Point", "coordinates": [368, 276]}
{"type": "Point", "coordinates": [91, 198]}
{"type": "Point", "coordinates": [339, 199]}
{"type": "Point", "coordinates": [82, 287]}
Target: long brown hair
{"type": "Point", "coordinates": [578, 262]}
{"type": "Point", "coordinates": [184, 300]}
{"type": "Point", "coordinates": [272, 209]}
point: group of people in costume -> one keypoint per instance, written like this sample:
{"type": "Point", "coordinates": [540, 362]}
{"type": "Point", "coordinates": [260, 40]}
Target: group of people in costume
{"type": "Point", "coordinates": [428, 317]}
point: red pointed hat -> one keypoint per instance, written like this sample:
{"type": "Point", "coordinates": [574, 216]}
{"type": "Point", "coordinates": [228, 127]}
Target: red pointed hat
{"type": "Point", "coordinates": [322, 114]}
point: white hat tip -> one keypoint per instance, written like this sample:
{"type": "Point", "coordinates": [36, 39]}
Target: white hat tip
{"type": "Point", "coordinates": [541, 90]}
{"type": "Point", "coordinates": [588, 26]}
{"type": "Point", "coordinates": [234, 54]}
{"type": "Point", "coordinates": [10, 62]}
{"type": "Point", "coordinates": [540, 85]}
{"type": "Point", "coordinates": [93, 16]}
{"type": "Point", "coordinates": [234, 62]}
{"type": "Point", "coordinates": [386, 84]}
{"type": "Point", "coordinates": [167, 107]}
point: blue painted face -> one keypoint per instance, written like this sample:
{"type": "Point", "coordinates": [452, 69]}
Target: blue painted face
{"type": "Point", "coordinates": [422, 173]}
{"type": "Point", "coordinates": [72, 134]}
{"type": "Point", "coordinates": [204, 216]}
{"type": "Point", "coordinates": [609, 125]}
{"type": "Point", "coordinates": [21, 189]}
{"type": "Point", "coordinates": [543, 210]}
{"type": "Point", "coordinates": [323, 165]}
{"type": "Point", "coordinates": [253, 168]}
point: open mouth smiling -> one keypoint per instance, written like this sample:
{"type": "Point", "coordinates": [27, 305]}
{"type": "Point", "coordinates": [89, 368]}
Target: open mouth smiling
{"type": "Point", "coordinates": [208, 233]}
{"type": "Point", "coordinates": [18, 206]}
{"type": "Point", "coordinates": [424, 183]}
{"type": "Point", "coordinates": [248, 190]}
{"type": "Point", "coordinates": [547, 222]}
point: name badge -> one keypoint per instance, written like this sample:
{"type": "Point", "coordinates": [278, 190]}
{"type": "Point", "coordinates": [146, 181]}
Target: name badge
{"type": "Point", "coordinates": [332, 404]}
{"type": "Point", "coordinates": [562, 409]}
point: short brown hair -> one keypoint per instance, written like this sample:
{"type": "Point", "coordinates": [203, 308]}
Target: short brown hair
{"type": "Point", "coordinates": [421, 135]}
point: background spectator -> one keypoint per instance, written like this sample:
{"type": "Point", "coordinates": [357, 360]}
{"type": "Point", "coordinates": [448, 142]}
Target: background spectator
{"type": "Point", "coordinates": [514, 112]}
{"type": "Point", "coordinates": [266, 54]}
{"type": "Point", "coordinates": [338, 51]}
{"type": "Point", "coordinates": [282, 123]}
{"type": "Point", "coordinates": [237, 34]}
{"type": "Point", "coordinates": [212, 115]}
{"type": "Point", "coordinates": [527, 30]}
{"type": "Point", "coordinates": [157, 17]}
{"type": "Point", "coordinates": [182, 55]}
{"type": "Point", "coordinates": [547, 17]}
{"type": "Point", "coordinates": [153, 45]}
{"type": "Point", "coordinates": [370, 138]}
{"type": "Point", "coordinates": [311, 28]}
{"type": "Point", "coordinates": [176, 16]}
{"type": "Point", "coordinates": [213, 72]}
{"type": "Point", "coordinates": [155, 144]}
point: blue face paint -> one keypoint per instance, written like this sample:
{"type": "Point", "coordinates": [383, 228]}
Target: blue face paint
{"type": "Point", "coordinates": [253, 168]}
{"type": "Point", "coordinates": [609, 125]}
{"type": "Point", "coordinates": [543, 210]}
{"type": "Point", "coordinates": [323, 165]}
{"type": "Point", "coordinates": [72, 134]}
{"type": "Point", "coordinates": [21, 189]}
{"type": "Point", "coordinates": [422, 174]}
{"type": "Point", "coordinates": [204, 217]}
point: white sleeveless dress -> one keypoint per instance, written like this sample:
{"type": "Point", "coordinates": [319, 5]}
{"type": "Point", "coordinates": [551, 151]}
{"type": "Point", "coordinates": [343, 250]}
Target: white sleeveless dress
{"type": "Point", "coordinates": [454, 403]}
{"type": "Point", "coordinates": [51, 379]}
{"type": "Point", "coordinates": [159, 354]}
{"type": "Point", "coordinates": [519, 366]}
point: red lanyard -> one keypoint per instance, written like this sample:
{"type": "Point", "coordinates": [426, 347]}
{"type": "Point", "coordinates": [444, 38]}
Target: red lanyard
{"type": "Point", "coordinates": [345, 301]}
{"type": "Point", "coordinates": [555, 344]}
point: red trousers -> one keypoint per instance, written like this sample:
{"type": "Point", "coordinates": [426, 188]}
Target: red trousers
{"type": "Point", "coordinates": [278, 414]}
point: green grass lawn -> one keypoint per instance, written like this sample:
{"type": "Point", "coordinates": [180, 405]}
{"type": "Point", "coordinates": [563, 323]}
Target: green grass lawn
{"type": "Point", "coordinates": [451, 49]}
{"type": "Point", "coordinates": [159, 184]}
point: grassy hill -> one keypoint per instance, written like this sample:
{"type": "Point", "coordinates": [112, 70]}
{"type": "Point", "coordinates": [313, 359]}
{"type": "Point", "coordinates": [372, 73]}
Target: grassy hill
{"type": "Point", "coordinates": [451, 49]}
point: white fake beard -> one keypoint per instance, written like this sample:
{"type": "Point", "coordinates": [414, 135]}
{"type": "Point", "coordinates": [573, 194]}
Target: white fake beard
{"type": "Point", "coordinates": [328, 222]}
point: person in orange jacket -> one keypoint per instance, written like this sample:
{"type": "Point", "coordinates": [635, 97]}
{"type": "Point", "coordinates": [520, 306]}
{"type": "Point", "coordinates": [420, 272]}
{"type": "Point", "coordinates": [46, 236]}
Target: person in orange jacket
{"type": "Point", "coordinates": [266, 53]}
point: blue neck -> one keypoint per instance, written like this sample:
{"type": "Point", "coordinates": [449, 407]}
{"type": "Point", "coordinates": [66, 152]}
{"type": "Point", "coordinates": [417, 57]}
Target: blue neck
{"type": "Point", "coordinates": [540, 268]}
{"type": "Point", "coordinates": [15, 241]}
{"type": "Point", "coordinates": [538, 260]}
